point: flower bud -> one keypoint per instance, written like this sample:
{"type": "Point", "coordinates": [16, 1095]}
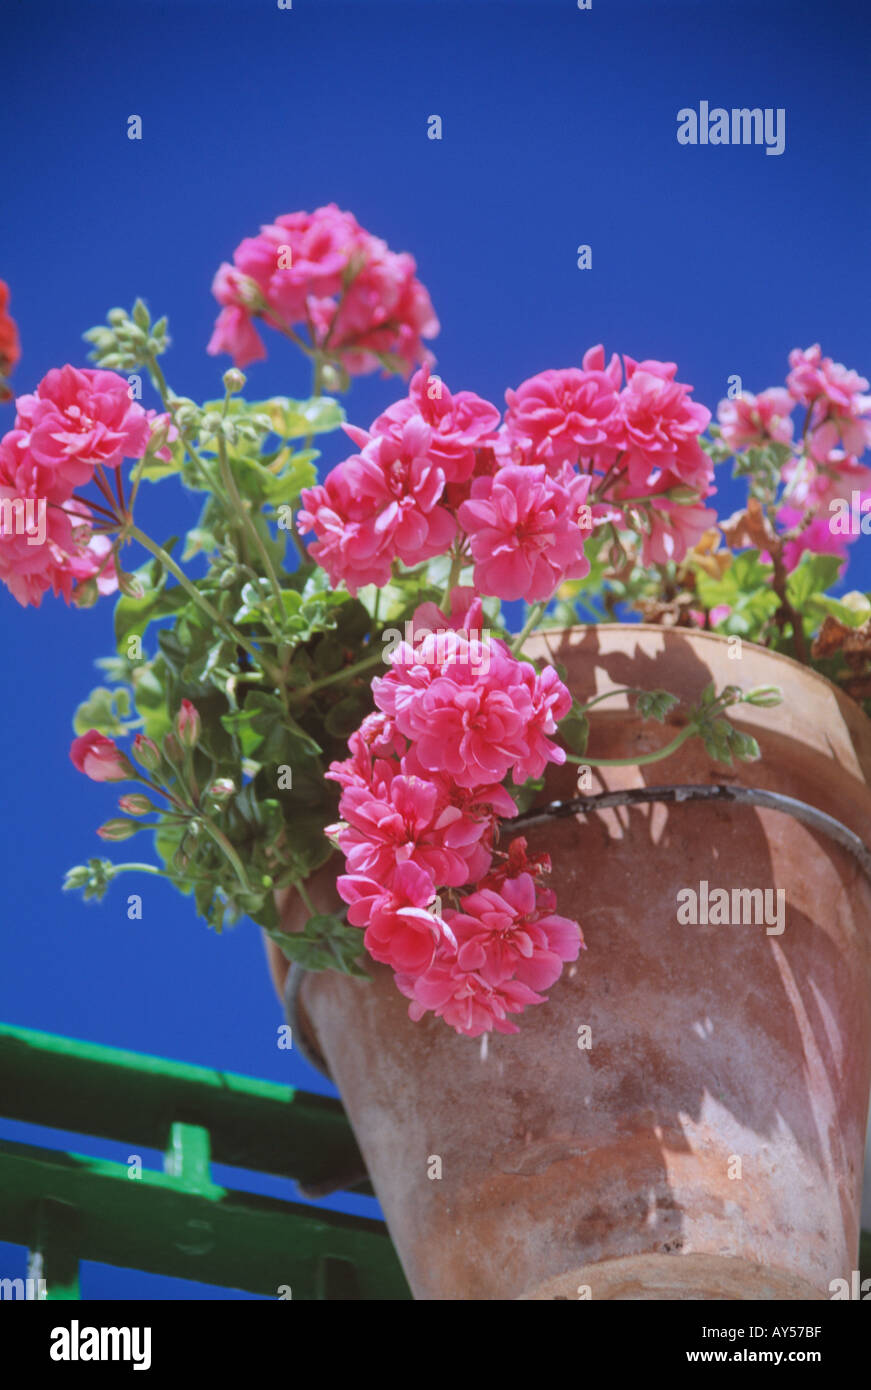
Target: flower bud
{"type": "Point", "coordinates": [117, 830]}
{"type": "Point", "coordinates": [234, 380]}
{"type": "Point", "coordinates": [77, 877]}
{"type": "Point", "coordinates": [335, 378]}
{"type": "Point", "coordinates": [159, 433]}
{"type": "Point", "coordinates": [130, 585]}
{"type": "Point", "coordinates": [221, 790]}
{"type": "Point", "coordinates": [86, 593]}
{"type": "Point", "coordinates": [186, 415]}
{"type": "Point", "coordinates": [135, 804]}
{"type": "Point", "coordinates": [146, 752]}
{"type": "Point", "coordinates": [764, 695]}
{"type": "Point", "coordinates": [188, 725]}
{"type": "Point", "coordinates": [731, 695]}
{"type": "Point", "coordinates": [744, 746]}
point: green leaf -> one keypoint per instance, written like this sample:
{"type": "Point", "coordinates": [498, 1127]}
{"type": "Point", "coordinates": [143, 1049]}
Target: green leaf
{"type": "Point", "coordinates": [813, 575]}
{"type": "Point", "coordinates": [133, 615]}
{"type": "Point", "coordinates": [526, 793]}
{"type": "Point", "coordinates": [655, 704]}
{"type": "Point", "coordinates": [325, 943]}
{"type": "Point", "coordinates": [851, 609]}
{"type": "Point", "coordinates": [104, 710]}
{"type": "Point", "coordinates": [574, 731]}
{"type": "Point", "coordinates": [347, 715]}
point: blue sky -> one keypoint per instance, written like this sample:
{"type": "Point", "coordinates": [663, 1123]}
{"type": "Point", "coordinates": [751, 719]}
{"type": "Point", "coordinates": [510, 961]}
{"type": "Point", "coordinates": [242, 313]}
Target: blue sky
{"type": "Point", "coordinates": [559, 128]}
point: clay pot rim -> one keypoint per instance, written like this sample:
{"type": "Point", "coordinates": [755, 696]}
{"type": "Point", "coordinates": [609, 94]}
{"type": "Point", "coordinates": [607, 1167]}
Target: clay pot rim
{"type": "Point", "coordinates": [716, 637]}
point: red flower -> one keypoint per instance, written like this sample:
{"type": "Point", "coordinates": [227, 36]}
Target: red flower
{"type": "Point", "coordinates": [10, 347]}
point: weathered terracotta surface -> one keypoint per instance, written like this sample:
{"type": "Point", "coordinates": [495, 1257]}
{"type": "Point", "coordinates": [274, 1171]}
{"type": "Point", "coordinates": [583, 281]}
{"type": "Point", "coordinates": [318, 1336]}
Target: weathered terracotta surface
{"type": "Point", "coordinates": [716, 1050]}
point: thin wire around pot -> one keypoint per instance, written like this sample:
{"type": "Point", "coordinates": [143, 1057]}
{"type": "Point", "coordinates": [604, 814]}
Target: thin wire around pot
{"type": "Point", "coordinates": [741, 796]}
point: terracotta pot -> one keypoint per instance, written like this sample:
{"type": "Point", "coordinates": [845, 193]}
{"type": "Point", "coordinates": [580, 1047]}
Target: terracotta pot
{"type": "Point", "coordinates": [708, 1143]}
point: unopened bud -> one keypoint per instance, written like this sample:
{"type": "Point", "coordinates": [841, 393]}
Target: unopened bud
{"type": "Point", "coordinates": [130, 585]}
{"type": "Point", "coordinates": [221, 790]}
{"type": "Point", "coordinates": [135, 804]}
{"type": "Point", "coordinates": [159, 434]}
{"type": "Point", "coordinates": [85, 595]}
{"type": "Point", "coordinates": [146, 752]}
{"type": "Point", "coordinates": [335, 378]}
{"type": "Point", "coordinates": [188, 725]}
{"type": "Point", "coordinates": [77, 877]}
{"type": "Point", "coordinates": [234, 380]}
{"type": "Point", "coordinates": [117, 830]}
{"type": "Point", "coordinates": [763, 695]}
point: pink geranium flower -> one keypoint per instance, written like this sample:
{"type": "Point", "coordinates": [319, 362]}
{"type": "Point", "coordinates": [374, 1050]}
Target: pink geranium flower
{"type": "Point", "coordinates": [527, 531]}
{"type": "Point", "coordinates": [568, 415]}
{"type": "Point", "coordinates": [400, 932]}
{"type": "Point", "coordinates": [464, 999]}
{"type": "Point", "coordinates": [503, 935]}
{"type": "Point", "coordinates": [409, 822]}
{"type": "Point", "coordinates": [661, 428]}
{"type": "Point", "coordinates": [95, 560]}
{"type": "Point", "coordinates": [99, 758]}
{"type": "Point", "coordinates": [472, 723]}
{"type": "Point", "coordinates": [814, 377]}
{"type": "Point", "coordinates": [747, 419]}
{"type": "Point", "coordinates": [466, 615]}
{"type": "Point", "coordinates": [48, 545]}
{"type": "Point", "coordinates": [360, 302]}
{"type": "Point", "coordinates": [79, 418]}
{"type": "Point", "coordinates": [235, 334]}
{"type": "Point", "coordinates": [460, 423]}
{"type": "Point", "coordinates": [379, 506]}
{"type": "Point", "coordinates": [839, 407]}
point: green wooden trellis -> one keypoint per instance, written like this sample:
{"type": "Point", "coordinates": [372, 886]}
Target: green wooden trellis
{"type": "Point", "coordinates": [67, 1207]}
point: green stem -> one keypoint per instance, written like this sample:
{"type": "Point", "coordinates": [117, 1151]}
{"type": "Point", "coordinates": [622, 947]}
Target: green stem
{"type": "Point", "coordinates": [642, 759]}
{"type": "Point", "coordinates": [624, 690]}
{"type": "Point", "coordinates": [196, 596]}
{"type": "Point", "coordinates": [162, 388]}
{"type": "Point", "coordinates": [248, 525]}
{"type": "Point", "coordinates": [306, 899]}
{"type": "Point", "coordinates": [453, 577]}
{"type": "Point", "coordinates": [534, 615]}
{"type": "Point", "coordinates": [139, 869]}
{"type": "Point", "coordinates": [366, 664]}
{"type": "Point", "coordinates": [221, 840]}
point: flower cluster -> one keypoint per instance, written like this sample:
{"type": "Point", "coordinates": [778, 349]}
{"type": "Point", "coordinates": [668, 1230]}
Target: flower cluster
{"type": "Point", "coordinates": [519, 498]}
{"type": "Point", "coordinates": [360, 303]}
{"type": "Point", "coordinates": [76, 423]}
{"type": "Point", "coordinates": [822, 467]}
{"type": "Point", "coordinates": [10, 348]}
{"type": "Point", "coordinates": [422, 793]}
{"type": "Point", "coordinates": [636, 439]}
